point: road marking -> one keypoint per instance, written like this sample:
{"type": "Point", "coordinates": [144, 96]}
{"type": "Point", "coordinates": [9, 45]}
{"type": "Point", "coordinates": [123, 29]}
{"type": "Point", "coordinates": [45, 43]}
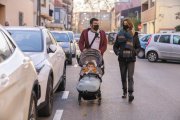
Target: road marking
{"type": "Point", "coordinates": [65, 94]}
{"type": "Point", "coordinates": [58, 115]}
{"type": "Point", "coordinates": [111, 51]}
{"type": "Point", "coordinates": [76, 65]}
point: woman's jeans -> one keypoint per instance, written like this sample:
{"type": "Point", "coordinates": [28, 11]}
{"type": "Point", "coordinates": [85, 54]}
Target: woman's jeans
{"type": "Point", "coordinates": [127, 68]}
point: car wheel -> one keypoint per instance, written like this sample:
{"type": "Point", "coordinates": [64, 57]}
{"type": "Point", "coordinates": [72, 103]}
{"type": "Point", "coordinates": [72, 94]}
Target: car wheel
{"type": "Point", "coordinates": [47, 109]}
{"type": "Point", "coordinates": [141, 54]}
{"type": "Point", "coordinates": [70, 59]}
{"type": "Point", "coordinates": [62, 85]}
{"type": "Point", "coordinates": [152, 56]}
{"type": "Point", "coordinates": [33, 107]}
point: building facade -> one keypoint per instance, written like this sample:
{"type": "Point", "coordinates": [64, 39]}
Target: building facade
{"type": "Point", "coordinates": [160, 15]}
{"type": "Point", "coordinates": [124, 5]}
{"type": "Point", "coordinates": [103, 16]}
{"type": "Point", "coordinates": [43, 12]}
{"type": "Point", "coordinates": [16, 13]}
{"type": "Point", "coordinates": [63, 13]}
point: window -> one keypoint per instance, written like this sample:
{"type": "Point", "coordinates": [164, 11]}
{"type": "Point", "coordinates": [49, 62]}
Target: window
{"type": "Point", "coordinates": [11, 45]}
{"type": "Point", "coordinates": [48, 39]}
{"type": "Point", "coordinates": [52, 38]}
{"type": "Point", "coordinates": [176, 39]}
{"type": "Point", "coordinates": [146, 38]}
{"type": "Point", "coordinates": [164, 39]}
{"type": "Point", "coordinates": [28, 40]}
{"type": "Point", "coordinates": [61, 37]}
{"type": "Point", "coordinates": [156, 37]}
{"type": "Point", "coordinates": [5, 51]}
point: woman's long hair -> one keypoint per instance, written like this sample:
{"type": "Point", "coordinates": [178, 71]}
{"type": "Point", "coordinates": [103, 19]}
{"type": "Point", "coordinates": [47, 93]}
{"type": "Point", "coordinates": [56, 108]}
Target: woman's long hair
{"type": "Point", "coordinates": [130, 24]}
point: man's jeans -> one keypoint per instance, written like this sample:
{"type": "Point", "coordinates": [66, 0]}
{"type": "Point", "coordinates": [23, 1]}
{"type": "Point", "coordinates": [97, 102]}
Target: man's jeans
{"type": "Point", "coordinates": [127, 68]}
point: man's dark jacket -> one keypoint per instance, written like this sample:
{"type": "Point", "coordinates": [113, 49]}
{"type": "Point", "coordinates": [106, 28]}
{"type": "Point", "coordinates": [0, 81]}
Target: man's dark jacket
{"type": "Point", "coordinates": [119, 45]}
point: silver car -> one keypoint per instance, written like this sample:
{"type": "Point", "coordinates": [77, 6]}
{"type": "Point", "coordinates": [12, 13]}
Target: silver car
{"type": "Point", "coordinates": [163, 46]}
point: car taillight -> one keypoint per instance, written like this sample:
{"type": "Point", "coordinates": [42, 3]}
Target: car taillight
{"type": "Point", "coordinates": [149, 40]}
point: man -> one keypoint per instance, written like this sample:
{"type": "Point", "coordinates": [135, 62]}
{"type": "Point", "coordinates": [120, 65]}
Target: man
{"type": "Point", "coordinates": [125, 47]}
{"type": "Point", "coordinates": [87, 36]}
{"type": "Point", "coordinates": [93, 38]}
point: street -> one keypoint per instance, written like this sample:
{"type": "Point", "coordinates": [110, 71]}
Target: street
{"type": "Point", "coordinates": [156, 94]}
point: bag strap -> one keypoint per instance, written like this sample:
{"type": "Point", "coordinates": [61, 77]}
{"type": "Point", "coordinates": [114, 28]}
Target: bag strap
{"type": "Point", "coordinates": [96, 35]}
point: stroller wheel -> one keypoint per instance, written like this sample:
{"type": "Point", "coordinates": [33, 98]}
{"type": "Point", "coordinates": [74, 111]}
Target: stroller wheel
{"type": "Point", "coordinates": [79, 99]}
{"type": "Point", "coordinates": [99, 101]}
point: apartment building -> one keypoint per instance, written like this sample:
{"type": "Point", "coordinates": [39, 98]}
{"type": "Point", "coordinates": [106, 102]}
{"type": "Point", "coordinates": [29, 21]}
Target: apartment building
{"type": "Point", "coordinates": [16, 13]}
{"type": "Point", "coordinates": [43, 12]}
{"type": "Point", "coordinates": [124, 5]}
{"type": "Point", "coordinates": [160, 15]}
{"type": "Point", "coordinates": [64, 13]}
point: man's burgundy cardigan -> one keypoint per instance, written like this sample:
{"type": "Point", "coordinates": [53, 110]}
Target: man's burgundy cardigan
{"type": "Point", "coordinates": [84, 42]}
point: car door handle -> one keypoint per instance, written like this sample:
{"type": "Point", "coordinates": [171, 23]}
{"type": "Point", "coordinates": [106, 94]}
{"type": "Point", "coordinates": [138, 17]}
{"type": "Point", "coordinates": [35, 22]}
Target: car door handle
{"type": "Point", "coordinates": [59, 55]}
{"type": "Point", "coordinates": [4, 80]}
{"type": "Point", "coordinates": [26, 62]}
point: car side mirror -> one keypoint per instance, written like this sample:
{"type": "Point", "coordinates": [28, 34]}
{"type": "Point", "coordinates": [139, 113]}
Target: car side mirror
{"type": "Point", "coordinates": [52, 48]}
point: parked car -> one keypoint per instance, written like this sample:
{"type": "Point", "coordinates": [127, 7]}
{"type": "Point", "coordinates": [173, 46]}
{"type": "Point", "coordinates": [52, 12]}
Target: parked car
{"type": "Point", "coordinates": [112, 37]}
{"type": "Point", "coordinates": [65, 42]}
{"type": "Point", "coordinates": [77, 37]}
{"type": "Point", "coordinates": [19, 87]}
{"type": "Point", "coordinates": [73, 42]}
{"type": "Point", "coordinates": [143, 42]}
{"type": "Point", "coordinates": [163, 46]}
{"type": "Point", "coordinates": [48, 58]}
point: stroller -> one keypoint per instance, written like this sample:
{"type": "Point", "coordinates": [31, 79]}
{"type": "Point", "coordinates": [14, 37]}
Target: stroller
{"type": "Point", "coordinates": [91, 62]}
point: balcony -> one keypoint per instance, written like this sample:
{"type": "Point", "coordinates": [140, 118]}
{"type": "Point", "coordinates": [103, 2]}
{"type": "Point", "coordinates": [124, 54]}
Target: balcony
{"type": "Point", "coordinates": [69, 2]}
{"type": "Point", "coordinates": [148, 15]}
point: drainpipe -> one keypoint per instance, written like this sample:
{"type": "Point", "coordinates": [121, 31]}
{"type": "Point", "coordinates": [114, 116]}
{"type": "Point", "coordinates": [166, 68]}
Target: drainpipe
{"type": "Point", "coordinates": [38, 12]}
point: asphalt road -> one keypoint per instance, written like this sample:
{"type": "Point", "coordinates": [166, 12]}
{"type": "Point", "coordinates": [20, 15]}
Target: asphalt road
{"type": "Point", "coordinates": [157, 87]}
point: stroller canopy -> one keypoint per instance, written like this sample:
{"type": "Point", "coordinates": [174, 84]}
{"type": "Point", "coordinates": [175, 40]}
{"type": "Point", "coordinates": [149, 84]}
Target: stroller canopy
{"type": "Point", "coordinates": [90, 55]}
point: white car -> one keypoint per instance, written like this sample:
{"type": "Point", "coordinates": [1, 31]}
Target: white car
{"type": "Point", "coordinates": [49, 60]}
{"type": "Point", "coordinates": [19, 88]}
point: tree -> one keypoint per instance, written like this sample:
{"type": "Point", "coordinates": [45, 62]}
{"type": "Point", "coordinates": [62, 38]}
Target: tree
{"type": "Point", "coordinates": [177, 28]}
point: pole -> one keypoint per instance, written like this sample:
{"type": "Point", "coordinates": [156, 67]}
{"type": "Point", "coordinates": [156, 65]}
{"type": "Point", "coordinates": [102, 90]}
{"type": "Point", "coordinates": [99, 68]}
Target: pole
{"type": "Point", "coordinates": [38, 22]}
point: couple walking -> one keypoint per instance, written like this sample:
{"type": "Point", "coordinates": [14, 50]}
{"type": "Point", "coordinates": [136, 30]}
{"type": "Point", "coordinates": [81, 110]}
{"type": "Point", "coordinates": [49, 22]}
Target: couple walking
{"type": "Point", "coordinates": [125, 47]}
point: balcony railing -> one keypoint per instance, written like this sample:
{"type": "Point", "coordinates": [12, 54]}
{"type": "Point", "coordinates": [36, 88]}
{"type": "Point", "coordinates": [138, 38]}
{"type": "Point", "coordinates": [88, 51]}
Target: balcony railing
{"type": "Point", "coordinates": [148, 15]}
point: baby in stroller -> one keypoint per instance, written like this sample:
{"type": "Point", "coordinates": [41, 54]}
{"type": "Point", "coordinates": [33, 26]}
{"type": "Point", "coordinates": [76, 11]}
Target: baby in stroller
{"type": "Point", "coordinates": [90, 75]}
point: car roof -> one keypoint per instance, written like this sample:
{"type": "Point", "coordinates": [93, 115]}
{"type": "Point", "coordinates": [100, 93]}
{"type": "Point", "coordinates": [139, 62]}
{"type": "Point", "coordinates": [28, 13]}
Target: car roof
{"type": "Point", "coordinates": [59, 32]}
{"type": "Point", "coordinates": [24, 28]}
{"type": "Point", "coordinates": [166, 34]}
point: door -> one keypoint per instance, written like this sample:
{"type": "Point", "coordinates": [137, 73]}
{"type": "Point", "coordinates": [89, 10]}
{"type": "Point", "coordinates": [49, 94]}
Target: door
{"type": "Point", "coordinates": [60, 56]}
{"type": "Point", "coordinates": [164, 46]}
{"type": "Point", "coordinates": [16, 80]}
{"type": "Point", "coordinates": [176, 47]}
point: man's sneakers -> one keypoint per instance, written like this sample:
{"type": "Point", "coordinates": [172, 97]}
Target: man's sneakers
{"type": "Point", "coordinates": [131, 98]}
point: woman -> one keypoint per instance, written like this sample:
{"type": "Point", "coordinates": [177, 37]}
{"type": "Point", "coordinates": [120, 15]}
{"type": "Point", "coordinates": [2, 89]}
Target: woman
{"type": "Point", "coordinates": [126, 47]}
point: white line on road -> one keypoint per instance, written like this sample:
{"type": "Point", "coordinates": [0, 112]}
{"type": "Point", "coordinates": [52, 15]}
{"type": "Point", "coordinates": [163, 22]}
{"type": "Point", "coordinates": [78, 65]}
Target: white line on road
{"type": "Point", "coordinates": [65, 94]}
{"type": "Point", "coordinates": [58, 115]}
{"type": "Point", "coordinates": [76, 65]}
{"type": "Point", "coordinates": [111, 51]}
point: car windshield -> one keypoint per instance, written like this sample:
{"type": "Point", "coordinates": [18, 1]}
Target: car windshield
{"type": "Point", "coordinates": [77, 35]}
{"type": "Point", "coordinates": [71, 35]}
{"type": "Point", "coordinates": [61, 37]}
{"type": "Point", "coordinates": [28, 40]}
